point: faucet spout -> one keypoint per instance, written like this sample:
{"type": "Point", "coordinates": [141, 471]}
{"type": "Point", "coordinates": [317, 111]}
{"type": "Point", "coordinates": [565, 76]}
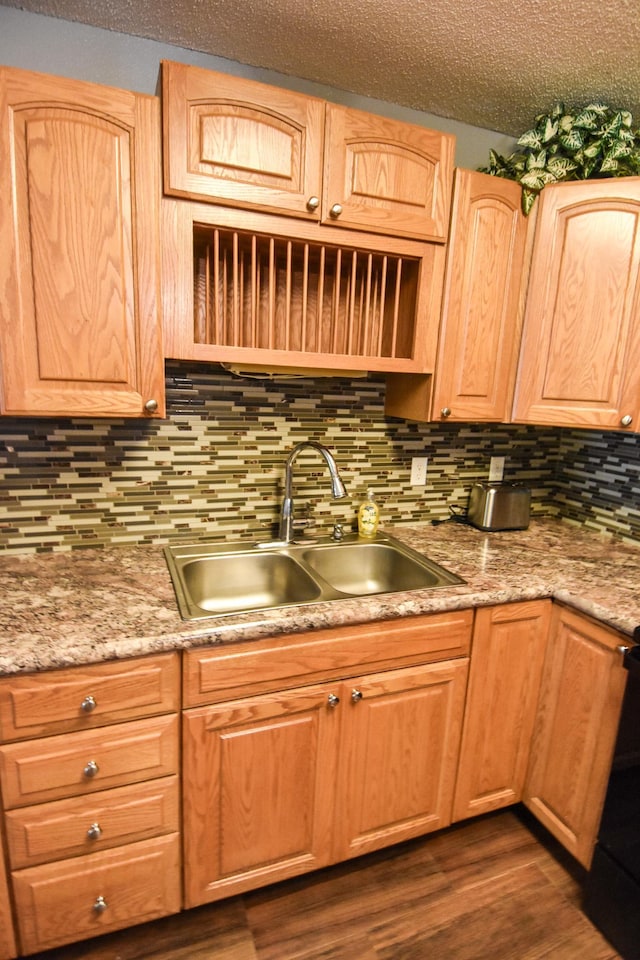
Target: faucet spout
{"type": "Point", "coordinates": [337, 486]}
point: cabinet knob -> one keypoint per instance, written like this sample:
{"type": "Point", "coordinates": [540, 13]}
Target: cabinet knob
{"type": "Point", "coordinates": [356, 695]}
{"type": "Point", "coordinates": [88, 704]}
{"type": "Point", "coordinates": [622, 649]}
{"type": "Point", "coordinates": [335, 210]}
{"type": "Point", "coordinates": [627, 420]}
{"type": "Point", "coordinates": [332, 700]}
{"type": "Point", "coordinates": [151, 406]}
{"type": "Point", "coordinates": [94, 832]}
{"type": "Point", "coordinates": [100, 905]}
{"type": "Point", "coordinates": [445, 412]}
{"type": "Point", "coordinates": [313, 203]}
{"type": "Point", "coordinates": [91, 769]}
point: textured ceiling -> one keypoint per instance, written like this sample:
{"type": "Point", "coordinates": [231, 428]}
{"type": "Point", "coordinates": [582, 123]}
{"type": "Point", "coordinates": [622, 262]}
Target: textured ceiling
{"type": "Point", "coordinates": [491, 63]}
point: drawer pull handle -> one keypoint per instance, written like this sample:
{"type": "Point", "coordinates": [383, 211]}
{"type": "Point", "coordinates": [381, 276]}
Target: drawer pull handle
{"type": "Point", "coordinates": [94, 832]}
{"type": "Point", "coordinates": [100, 905]}
{"type": "Point", "coordinates": [91, 769]}
{"type": "Point", "coordinates": [88, 704]}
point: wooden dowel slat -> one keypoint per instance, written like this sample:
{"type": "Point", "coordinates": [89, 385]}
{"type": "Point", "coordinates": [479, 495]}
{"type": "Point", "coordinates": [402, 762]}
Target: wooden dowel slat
{"type": "Point", "coordinates": [396, 309]}
{"type": "Point", "coordinates": [305, 295]}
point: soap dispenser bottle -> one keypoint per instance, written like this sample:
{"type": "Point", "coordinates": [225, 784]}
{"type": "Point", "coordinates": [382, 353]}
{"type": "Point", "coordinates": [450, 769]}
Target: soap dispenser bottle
{"type": "Point", "coordinates": [368, 516]}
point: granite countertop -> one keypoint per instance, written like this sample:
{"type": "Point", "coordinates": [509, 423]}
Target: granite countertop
{"type": "Point", "coordinates": [87, 606]}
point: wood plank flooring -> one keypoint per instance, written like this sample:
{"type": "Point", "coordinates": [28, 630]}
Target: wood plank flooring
{"type": "Point", "coordinates": [494, 888]}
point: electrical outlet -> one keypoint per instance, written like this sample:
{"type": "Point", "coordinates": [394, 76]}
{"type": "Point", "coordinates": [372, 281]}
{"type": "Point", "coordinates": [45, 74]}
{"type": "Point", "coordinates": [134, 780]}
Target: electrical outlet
{"type": "Point", "coordinates": [419, 471]}
{"type": "Point", "coordinates": [496, 469]}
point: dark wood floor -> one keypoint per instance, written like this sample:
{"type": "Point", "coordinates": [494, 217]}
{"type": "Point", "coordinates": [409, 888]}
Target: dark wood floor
{"type": "Point", "coordinates": [494, 888]}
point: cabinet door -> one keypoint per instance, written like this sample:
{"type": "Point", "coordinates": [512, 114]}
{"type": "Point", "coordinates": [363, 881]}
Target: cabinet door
{"type": "Point", "coordinates": [509, 644]}
{"type": "Point", "coordinates": [399, 754]}
{"type": "Point", "coordinates": [574, 737]}
{"type": "Point", "coordinates": [481, 317]}
{"type": "Point", "coordinates": [259, 778]}
{"type": "Point", "coordinates": [480, 329]}
{"type": "Point", "coordinates": [7, 940]}
{"type": "Point", "coordinates": [386, 176]}
{"type": "Point", "coordinates": [240, 142]}
{"type": "Point", "coordinates": [79, 264]}
{"type": "Point", "coordinates": [580, 356]}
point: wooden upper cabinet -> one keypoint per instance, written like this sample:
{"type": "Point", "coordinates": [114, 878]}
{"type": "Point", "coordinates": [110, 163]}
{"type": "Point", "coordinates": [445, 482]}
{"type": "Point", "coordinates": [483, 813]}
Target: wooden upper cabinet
{"type": "Point", "coordinates": [247, 144]}
{"type": "Point", "coordinates": [580, 358]}
{"type": "Point", "coordinates": [80, 330]}
{"type": "Point", "coordinates": [240, 142]}
{"type": "Point", "coordinates": [481, 317]}
{"type": "Point", "coordinates": [386, 176]}
{"type": "Point", "coordinates": [480, 330]}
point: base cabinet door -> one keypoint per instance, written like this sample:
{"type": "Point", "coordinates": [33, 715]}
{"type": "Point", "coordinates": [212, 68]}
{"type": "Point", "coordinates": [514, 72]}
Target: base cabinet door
{"type": "Point", "coordinates": [575, 732]}
{"type": "Point", "coordinates": [508, 650]}
{"type": "Point", "coordinates": [259, 780]}
{"type": "Point", "coordinates": [8, 948]}
{"type": "Point", "coordinates": [401, 737]}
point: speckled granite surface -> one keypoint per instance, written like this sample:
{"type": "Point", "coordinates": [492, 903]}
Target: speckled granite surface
{"type": "Point", "coordinates": [62, 609]}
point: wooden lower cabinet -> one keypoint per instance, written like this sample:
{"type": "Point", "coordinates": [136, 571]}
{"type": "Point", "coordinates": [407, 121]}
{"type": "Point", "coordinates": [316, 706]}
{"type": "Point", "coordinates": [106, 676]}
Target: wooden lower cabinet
{"type": "Point", "coordinates": [87, 896]}
{"type": "Point", "coordinates": [574, 737]}
{"type": "Point", "coordinates": [398, 756]}
{"type": "Point", "coordinates": [280, 784]}
{"type": "Point", "coordinates": [258, 783]}
{"type": "Point", "coordinates": [508, 649]}
{"type": "Point", "coordinates": [91, 815]}
{"type": "Point", "coordinates": [8, 946]}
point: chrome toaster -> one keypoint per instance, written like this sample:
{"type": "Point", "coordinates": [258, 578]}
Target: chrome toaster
{"type": "Point", "coordinates": [499, 506]}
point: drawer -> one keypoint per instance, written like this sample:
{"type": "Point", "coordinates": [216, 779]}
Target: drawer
{"type": "Point", "coordinates": [85, 825]}
{"type": "Point", "coordinates": [214, 674]}
{"type": "Point", "coordinates": [57, 701]}
{"type": "Point", "coordinates": [84, 763]}
{"type": "Point", "coordinates": [74, 899]}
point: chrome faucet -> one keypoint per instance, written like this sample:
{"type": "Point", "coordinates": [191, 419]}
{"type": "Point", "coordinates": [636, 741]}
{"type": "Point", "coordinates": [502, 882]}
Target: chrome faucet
{"type": "Point", "coordinates": [337, 486]}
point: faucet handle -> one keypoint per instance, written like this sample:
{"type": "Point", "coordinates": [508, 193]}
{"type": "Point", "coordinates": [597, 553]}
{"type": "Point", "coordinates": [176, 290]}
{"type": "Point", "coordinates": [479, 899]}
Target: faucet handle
{"type": "Point", "coordinates": [301, 523]}
{"type": "Point", "coordinates": [338, 532]}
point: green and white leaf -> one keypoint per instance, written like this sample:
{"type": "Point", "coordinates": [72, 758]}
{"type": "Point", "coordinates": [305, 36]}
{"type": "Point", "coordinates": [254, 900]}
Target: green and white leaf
{"type": "Point", "coordinates": [600, 108]}
{"type": "Point", "coordinates": [572, 141]}
{"type": "Point", "coordinates": [593, 149]}
{"type": "Point", "coordinates": [587, 120]}
{"type": "Point", "coordinates": [561, 167]}
{"type": "Point", "coordinates": [537, 161]}
{"type": "Point", "coordinates": [531, 139]}
{"type": "Point", "coordinates": [528, 199]}
{"type": "Point", "coordinates": [609, 165]}
{"type": "Point", "coordinates": [537, 179]}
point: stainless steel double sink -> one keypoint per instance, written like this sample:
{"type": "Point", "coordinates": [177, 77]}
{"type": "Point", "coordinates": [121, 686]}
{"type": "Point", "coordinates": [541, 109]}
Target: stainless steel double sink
{"type": "Point", "coordinates": [213, 580]}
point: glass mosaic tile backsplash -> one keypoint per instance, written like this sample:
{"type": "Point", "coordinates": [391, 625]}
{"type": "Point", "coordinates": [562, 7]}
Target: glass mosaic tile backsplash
{"type": "Point", "coordinates": [215, 467]}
